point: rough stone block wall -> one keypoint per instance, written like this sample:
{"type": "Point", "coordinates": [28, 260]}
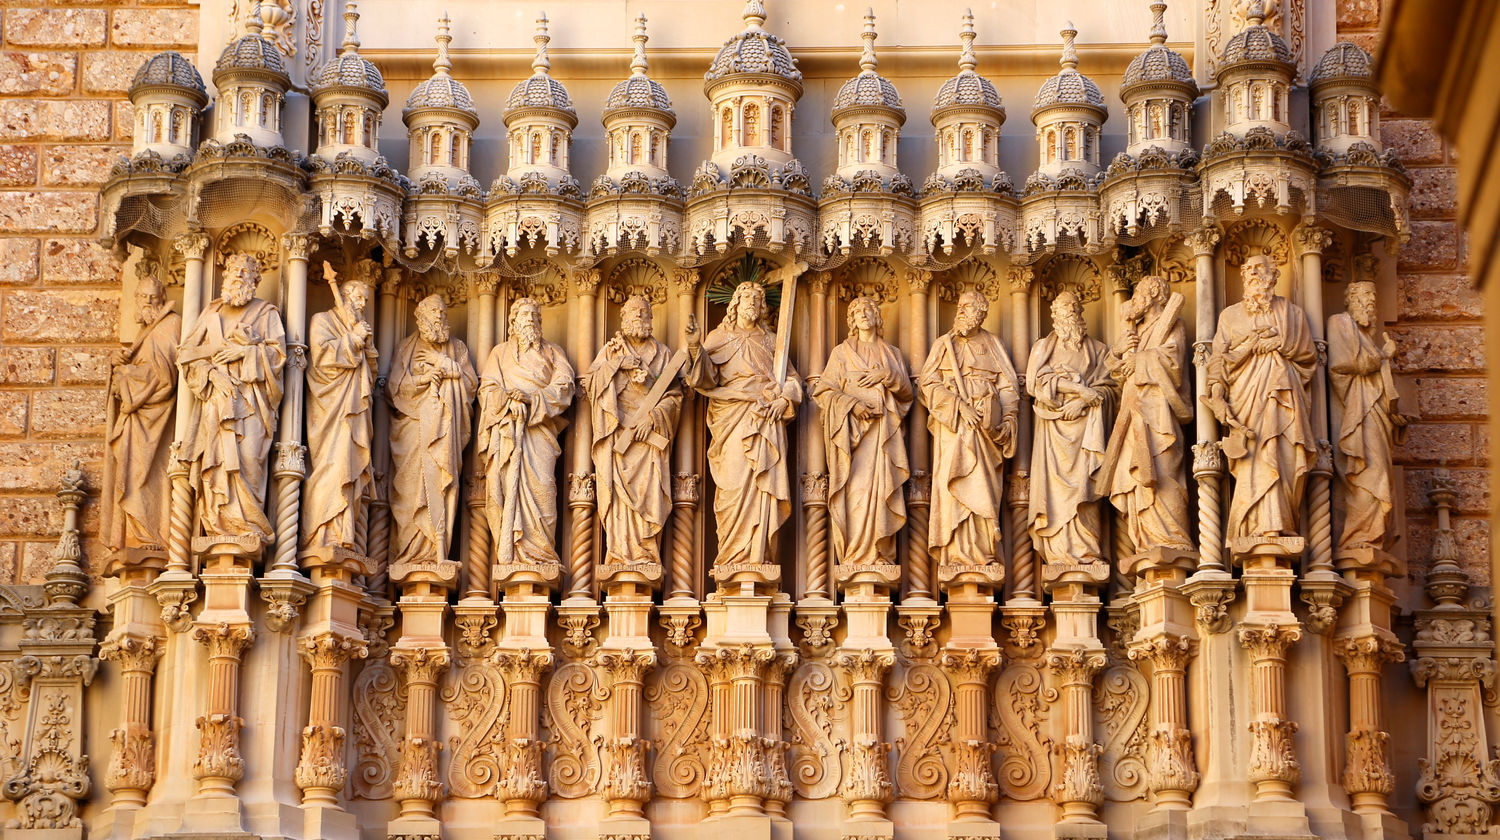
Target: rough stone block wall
{"type": "Point", "coordinates": [64, 118]}
{"type": "Point", "coordinates": [1439, 333]}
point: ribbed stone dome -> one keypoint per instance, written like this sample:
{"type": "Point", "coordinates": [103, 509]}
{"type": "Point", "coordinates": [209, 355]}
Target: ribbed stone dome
{"type": "Point", "coordinates": [638, 92]}
{"type": "Point", "coordinates": [867, 89]}
{"type": "Point", "coordinates": [251, 52]}
{"type": "Point", "coordinates": [1343, 60]}
{"type": "Point", "coordinates": [1256, 42]}
{"type": "Point", "coordinates": [168, 68]}
{"type": "Point", "coordinates": [1158, 64]}
{"type": "Point", "coordinates": [441, 91]}
{"type": "Point", "coordinates": [754, 51]}
{"type": "Point", "coordinates": [540, 91]}
{"type": "Point", "coordinates": [1068, 87]}
{"type": "Point", "coordinates": [967, 88]}
{"type": "Point", "coordinates": [348, 70]}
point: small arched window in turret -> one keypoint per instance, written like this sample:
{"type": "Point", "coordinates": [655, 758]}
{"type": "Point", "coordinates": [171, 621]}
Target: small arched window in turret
{"type": "Point", "coordinates": [778, 128]}
{"type": "Point", "coordinates": [369, 133]}
{"type": "Point", "coordinates": [656, 151]}
{"type": "Point", "coordinates": [179, 132]}
{"type": "Point", "coordinates": [726, 129]}
{"type": "Point", "coordinates": [1276, 103]}
{"type": "Point", "coordinates": [1357, 117]}
{"type": "Point", "coordinates": [752, 125]}
{"type": "Point", "coordinates": [434, 147]}
{"type": "Point", "coordinates": [349, 133]}
{"type": "Point", "coordinates": [1051, 151]}
{"type": "Point", "coordinates": [265, 111]}
{"type": "Point", "coordinates": [557, 142]}
{"type": "Point", "coordinates": [1178, 118]}
{"type": "Point", "coordinates": [888, 148]}
{"type": "Point", "coordinates": [637, 149]}
{"type": "Point", "coordinates": [968, 153]}
{"type": "Point", "coordinates": [534, 151]}
{"type": "Point", "coordinates": [1070, 143]}
{"type": "Point", "coordinates": [867, 146]}
{"type": "Point", "coordinates": [1157, 122]}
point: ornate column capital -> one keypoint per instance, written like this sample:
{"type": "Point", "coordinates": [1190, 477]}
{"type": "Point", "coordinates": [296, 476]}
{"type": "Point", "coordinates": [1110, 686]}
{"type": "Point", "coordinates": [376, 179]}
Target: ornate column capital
{"type": "Point", "coordinates": [1312, 239]}
{"type": "Point", "coordinates": [1021, 278]}
{"type": "Point", "coordinates": [298, 246]}
{"type": "Point", "coordinates": [1269, 642]}
{"type": "Point", "coordinates": [587, 280]}
{"type": "Point", "coordinates": [1367, 654]}
{"type": "Point", "coordinates": [421, 665]}
{"type": "Point", "coordinates": [134, 653]}
{"type": "Point", "coordinates": [970, 666]}
{"type": "Point", "coordinates": [626, 664]}
{"type": "Point", "coordinates": [1204, 240]}
{"type": "Point", "coordinates": [1165, 653]}
{"type": "Point", "coordinates": [485, 283]}
{"type": "Point", "coordinates": [1075, 667]}
{"type": "Point", "coordinates": [522, 664]}
{"type": "Point", "coordinates": [685, 280]}
{"type": "Point", "coordinates": [327, 651]}
{"type": "Point", "coordinates": [818, 282]}
{"type": "Point", "coordinates": [918, 280]}
{"type": "Point", "coordinates": [192, 245]}
{"type": "Point", "coordinates": [867, 665]}
{"type": "Point", "coordinates": [224, 639]}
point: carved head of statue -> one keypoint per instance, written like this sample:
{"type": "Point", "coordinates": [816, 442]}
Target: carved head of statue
{"type": "Point", "coordinates": [864, 315]}
{"type": "Point", "coordinates": [1067, 318]}
{"type": "Point", "coordinates": [1151, 294]}
{"type": "Point", "coordinates": [526, 322]}
{"type": "Point", "coordinates": [241, 276]}
{"type": "Point", "coordinates": [1359, 299]}
{"type": "Point", "coordinates": [356, 295]}
{"type": "Point", "coordinates": [973, 308]}
{"type": "Point", "coordinates": [1259, 275]}
{"type": "Point", "coordinates": [149, 296]}
{"type": "Point", "coordinates": [748, 307]}
{"type": "Point", "coordinates": [635, 318]}
{"type": "Point", "coordinates": [432, 320]}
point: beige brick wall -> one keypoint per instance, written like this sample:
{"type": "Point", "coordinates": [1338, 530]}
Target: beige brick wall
{"type": "Point", "coordinates": [64, 68]}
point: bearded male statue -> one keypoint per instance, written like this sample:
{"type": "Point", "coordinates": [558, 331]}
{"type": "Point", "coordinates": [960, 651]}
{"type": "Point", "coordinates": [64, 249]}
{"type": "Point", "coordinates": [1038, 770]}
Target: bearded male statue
{"type": "Point", "coordinates": [430, 387]}
{"type": "Point", "coordinates": [734, 367]}
{"type": "Point", "coordinates": [1143, 466]}
{"type": "Point", "coordinates": [632, 432]}
{"type": "Point", "coordinates": [972, 397]}
{"type": "Point", "coordinates": [340, 389]}
{"type": "Point", "coordinates": [232, 361]}
{"type": "Point", "coordinates": [864, 394]}
{"type": "Point", "coordinates": [1263, 359]}
{"type": "Point", "coordinates": [1073, 394]}
{"type": "Point", "coordinates": [142, 393]}
{"type": "Point", "coordinates": [1368, 422]}
{"type": "Point", "coordinates": [525, 385]}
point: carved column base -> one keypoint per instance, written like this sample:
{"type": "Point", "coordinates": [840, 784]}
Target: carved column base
{"type": "Point", "coordinates": [329, 823]}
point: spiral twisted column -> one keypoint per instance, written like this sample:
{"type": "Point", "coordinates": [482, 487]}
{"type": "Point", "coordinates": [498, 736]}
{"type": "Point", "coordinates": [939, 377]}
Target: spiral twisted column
{"type": "Point", "coordinates": [291, 461]}
{"type": "Point", "coordinates": [684, 516]}
{"type": "Point", "coordinates": [1313, 240]}
{"type": "Point", "coordinates": [386, 339]}
{"type": "Point", "coordinates": [1208, 463]}
{"type": "Point", "coordinates": [919, 445]}
{"type": "Point", "coordinates": [1022, 281]}
{"type": "Point", "coordinates": [815, 479]}
{"type": "Point", "coordinates": [582, 550]}
{"type": "Point", "coordinates": [193, 246]}
{"type": "Point", "coordinates": [685, 479]}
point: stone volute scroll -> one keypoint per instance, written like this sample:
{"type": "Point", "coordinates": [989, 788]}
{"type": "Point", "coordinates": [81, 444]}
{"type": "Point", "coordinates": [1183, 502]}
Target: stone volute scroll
{"type": "Point", "coordinates": [864, 394]}
{"type": "Point", "coordinates": [1142, 472]}
{"type": "Point", "coordinates": [142, 393]}
{"type": "Point", "coordinates": [1073, 396]}
{"type": "Point", "coordinates": [634, 397]}
{"type": "Point", "coordinates": [341, 388]}
{"type": "Point", "coordinates": [972, 396]}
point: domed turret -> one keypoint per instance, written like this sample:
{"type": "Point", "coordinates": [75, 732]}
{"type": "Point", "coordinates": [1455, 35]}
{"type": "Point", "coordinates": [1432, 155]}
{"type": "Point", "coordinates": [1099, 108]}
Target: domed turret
{"type": "Point", "coordinates": [168, 95]}
{"type": "Point", "coordinates": [1158, 91]}
{"type": "Point", "coordinates": [638, 118]}
{"type": "Point", "coordinates": [1346, 103]}
{"type": "Point", "coordinates": [252, 82]}
{"type": "Point", "coordinates": [1068, 112]}
{"type": "Point", "coordinates": [348, 95]}
{"type": "Point", "coordinates": [440, 120]}
{"type": "Point", "coordinates": [539, 119]}
{"type": "Point", "coordinates": [753, 84]}
{"type": "Point", "coordinates": [867, 115]}
{"type": "Point", "coordinates": [1255, 74]}
{"type": "Point", "coordinates": [967, 114]}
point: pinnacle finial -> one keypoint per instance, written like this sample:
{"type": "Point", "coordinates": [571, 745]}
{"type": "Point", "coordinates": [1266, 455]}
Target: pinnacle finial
{"type": "Point", "coordinates": [443, 64]}
{"type": "Point", "coordinates": [253, 24]}
{"type": "Point", "coordinates": [540, 65]}
{"type": "Point", "coordinates": [754, 14]}
{"type": "Point", "coordinates": [351, 18]}
{"type": "Point", "coordinates": [867, 62]}
{"type": "Point", "coordinates": [1256, 14]}
{"type": "Point", "coordinates": [1069, 54]}
{"type": "Point", "coordinates": [1158, 22]}
{"type": "Point", "coordinates": [638, 63]}
{"type": "Point", "coordinates": [966, 59]}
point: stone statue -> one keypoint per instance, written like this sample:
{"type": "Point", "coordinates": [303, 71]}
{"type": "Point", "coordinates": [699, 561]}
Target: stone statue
{"type": "Point", "coordinates": [430, 387]}
{"type": "Point", "coordinates": [1263, 359]}
{"type": "Point", "coordinates": [634, 415]}
{"type": "Point", "coordinates": [232, 361]}
{"type": "Point", "coordinates": [1142, 472]}
{"type": "Point", "coordinates": [970, 389]}
{"type": "Point", "coordinates": [1073, 395]}
{"type": "Point", "coordinates": [142, 393]}
{"type": "Point", "coordinates": [1365, 402]}
{"type": "Point", "coordinates": [340, 386]}
{"type": "Point", "coordinates": [734, 367]}
{"type": "Point", "coordinates": [864, 393]}
{"type": "Point", "coordinates": [525, 386]}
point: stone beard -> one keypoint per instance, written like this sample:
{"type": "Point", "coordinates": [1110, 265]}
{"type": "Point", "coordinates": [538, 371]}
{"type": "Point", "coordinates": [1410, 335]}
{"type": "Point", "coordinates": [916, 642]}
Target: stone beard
{"type": "Point", "coordinates": [525, 387]}
{"type": "Point", "coordinates": [341, 388]}
{"type": "Point", "coordinates": [864, 394]}
{"type": "Point", "coordinates": [232, 361]}
{"type": "Point", "coordinates": [142, 391]}
{"type": "Point", "coordinates": [1073, 394]}
{"type": "Point", "coordinates": [747, 415]}
{"type": "Point", "coordinates": [970, 390]}
{"type": "Point", "coordinates": [1369, 425]}
{"type": "Point", "coordinates": [632, 463]}
{"type": "Point", "coordinates": [430, 387]}
{"type": "Point", "coordinates": [1263, 359]}
{"type": "Point", "coordinates": [1142, 472]}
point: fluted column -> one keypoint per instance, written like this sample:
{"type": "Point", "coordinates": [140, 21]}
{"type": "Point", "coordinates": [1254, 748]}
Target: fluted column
{"type": "Point", "coordinates": [1172, 774]}
{"type": "Point", "coordinates": [321, 772]}
{"type": "Point", "coordinates": [219, 763]}
{"type": "Point", "coordinates": [291, 456]}
{"type": "Point", "coordinates": [972, 788]}
{"type": "Point", "coordinates": [1273, 768]}
{"type": "Point", "coordinates": [418, 787]}
{"type": "Point", "coordinates": [521, 786]}
{"type": "Point", "coordinates": [132, 764]}
{"type": "Point", "coordinates": [867, 787]}
{"type": "Point", "coordinates": [1367, 766]}
{"type": "Point", "coordinates": [627, 781]}
{"type": "Point", "coordinates": [1077, 788]}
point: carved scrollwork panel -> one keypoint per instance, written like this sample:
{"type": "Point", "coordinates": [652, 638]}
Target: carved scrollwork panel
{"type": "Point", "coordinates": [924, 698]}
{"type": "Point", "coordinates": [678, 700]}
{"type": "Point", "coordinates": [1025, 766]}
{"type": "Point", "coordinates": [574, 704]}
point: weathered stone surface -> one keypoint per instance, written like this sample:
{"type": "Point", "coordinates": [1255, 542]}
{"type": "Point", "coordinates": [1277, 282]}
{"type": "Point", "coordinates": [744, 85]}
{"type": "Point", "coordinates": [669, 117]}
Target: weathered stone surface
{"type": "Point", "coordinates": [68, 412]}
{"type": "Point", "coordinates": [17, 166]}
{"type": "Point", "coordinates": [110, 71]}
{"type": "Point", "coordinates": [83, 365]}
{"type": "Point", "coordinates": [1425, 297]}
{"type": "Point", "coordinates": [1447, 398]}
{"type": "Point", "coordinates": [55, 27]}
{"type": "Point", "coordinates": [27, 119]}
{"type": "Point", "coordinates": [73, 166]}
{"type": "Point", "coordinates": [37, 558]}
{"type": "Point", "coordinates": [48, 212]}
{"type": "Point", "coordinates": [19, 119]}
{"type": "Point", "coordinates": [1472, 536]}
{"type": "Point", "coordinates": [1431, 443]}
{"type": "Point", "coordinates": [13, 413]}
{"type": "Point", "coordinates": [1433, 245]}
{"type": "Point", "coordinates": [124, 120]}
{"type": "Point", "coordinates": [68, 262]}
{"type": "Point", "coordinates": [26, 365]}
{"type": "Point", "coordinates": [1358, 14]}
{"type": "Point", "coordinates": [1434, 191]}
{"type": "Point", "coordinates": [1415, 141]}
{"type": "Point", "coordinates": [28, 516]}
{"type": "Point", "coordinates": [7, 563]}
{"type": "Point", "coordinates": [63, 317]}
{"type": "Point", "coordinates": [1424, 348]}
{"type": "Point", "coordinates": [159, 28]}
{"type": "Point", "coordinates": [46, 73]}
{"type": "Point", "coordinates": [26, 467]}
{"type": "Point", "coordinates": [18, 260]}
{"type": "Point", "coordinates": [1473, 488]}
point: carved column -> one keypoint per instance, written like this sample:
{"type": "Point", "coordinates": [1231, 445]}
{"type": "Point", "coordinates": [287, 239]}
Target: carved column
{"type": "Point", "coordinates": [685, 569]}
{"type": "Point", "coordinates": [1273, 761]}
{"type": "Point", "coordinates": [193, 246]}
{"type": "Point", "coordinates": [1367, 766]}
{"type": "Point", "coordinates": [627, 782]}
{"type": "Point", "coordinates": [477, 569]}
{"type": "Point", "coordinates": [321, 772]}
{"type": "Point", "coordinates": [522, 787]}
{"type": "Point", "coordinates": [219, 763]}
{"type": "Point", "coordinates": [1173, 775]}
{"type": "Point", "coordinates": [1018, 489]}
{"type": "Point", "coordinates": [815, 479]}
{"type": "Point", "coordinates": [867, 786]}
{"type": "Point", "coordinates": [291, 455]}
{"type": "Point", "coordinates": [1208, 463]}
{"type": "Point", "coordinates": [582, 551]}
{"type": "Point", "coordinates": [418, 786]}
{"type": "Point", "coordinates": [779, 790]}
{"type": "Point", "coordinates": [919, 444]}
{"type": "Point", "coordinates": [972, 788]}
{"type": "Point", "coordinates": [1078, 788]}
{"type": "Point", "coordinates": [132, 764]}
{"type": "Point", "coordinates": [386, 339]}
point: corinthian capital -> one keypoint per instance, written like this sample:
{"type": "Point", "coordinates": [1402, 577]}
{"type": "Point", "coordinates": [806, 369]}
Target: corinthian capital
{"type": "Point", "coordinates": [1203, 240]}
{"type": "Point", "coordinates": [1312, 238]}
{"type": "Point", "coordinates": [192, 245]}
{"type": "Point", "coordinates": [298, 246]}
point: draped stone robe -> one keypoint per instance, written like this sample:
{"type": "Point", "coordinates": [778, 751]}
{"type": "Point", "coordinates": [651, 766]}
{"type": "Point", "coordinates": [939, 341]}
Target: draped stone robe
{"type": "Point", "coordinates": [1142, 472]}
{"type": "Point", "coordinates": [867, 465]}
{"type": "Point", "coordinates": [341, 387]}
{"type": "Point", "coordinates": [632, 483]}
{"type": "Point", "coordinates": [519, 453]}
{"type": "Point", "coordinates": [967, 464]}
{"type": "Point", "coordinates": [1066, 455]}
{"type": "Point", "coordinates": [140, 438]}
{"type": "Point", "coordinates": [1269, 394]}
{"type": "Point", "coordinates": [1365, 402]}
{"type": "Point", "coordinates": [429, 429]}
{"type": "Point", "coordinates": [747, 451]}
{"type": "Point", "coordinates": [234, 418]}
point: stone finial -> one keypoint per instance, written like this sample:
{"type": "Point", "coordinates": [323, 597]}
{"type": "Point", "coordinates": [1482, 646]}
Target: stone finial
{"type": "Point", "coordinates": [253, 24]}
{"type": "Point", "coordinates": [1256, 14]}
{"type": "Point", "coordinates": [1158, 22]}
{"type": "Point", "coordinates": [638, 62]}
{"type": "Point", "coordinates": [1447, 584]}
{"type": "Point", "coordinates": [443, 64]}
{"type": "Point", "coordinates": [1069, 54]}
{"type": "Point", "coordinates": [351, 36]}
{"type": "Point", "coordinates": [867, 61]}
{"type": "Point", "coordinates": [754, 14]}
{"type": "Point", "coordinates": [540, 65]}
{"type": "Point", "coordinates": [66, 581]}
{"type": "Point", "coordinates": [966, 59]}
